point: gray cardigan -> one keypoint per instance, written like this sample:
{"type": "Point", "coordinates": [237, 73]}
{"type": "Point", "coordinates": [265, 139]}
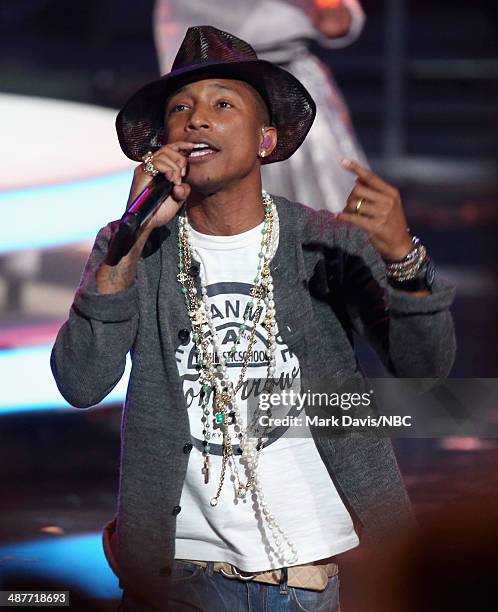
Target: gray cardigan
{"type": "Point", "coordinates": [328, 281]}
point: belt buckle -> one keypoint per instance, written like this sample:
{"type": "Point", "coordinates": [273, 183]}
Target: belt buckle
{"type": "Point", "coordinates": [237, 574]}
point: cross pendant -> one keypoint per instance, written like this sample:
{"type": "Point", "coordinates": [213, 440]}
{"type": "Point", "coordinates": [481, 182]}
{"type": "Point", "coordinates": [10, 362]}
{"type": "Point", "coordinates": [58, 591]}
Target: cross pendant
{"type": "Point", "coordinates": [205, 470]}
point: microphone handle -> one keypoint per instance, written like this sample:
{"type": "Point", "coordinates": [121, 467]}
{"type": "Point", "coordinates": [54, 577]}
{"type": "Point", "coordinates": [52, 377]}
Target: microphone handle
{"type": "Point", "coordinates": [144, 205]}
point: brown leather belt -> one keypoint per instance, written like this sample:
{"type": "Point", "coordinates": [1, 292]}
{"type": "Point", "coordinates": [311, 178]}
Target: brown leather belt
{"type": "Point", "coordinates": [313, 576]}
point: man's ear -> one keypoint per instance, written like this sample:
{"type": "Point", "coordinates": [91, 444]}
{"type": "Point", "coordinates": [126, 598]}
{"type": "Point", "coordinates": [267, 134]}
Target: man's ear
{"type": "Point", "coordinates": [268, 140]}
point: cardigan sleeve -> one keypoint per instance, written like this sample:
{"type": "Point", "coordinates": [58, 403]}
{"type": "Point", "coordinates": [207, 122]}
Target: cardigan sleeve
{"type": "Point", "coordinates": [89, 354]}
{"type": "Point", "coordinates": [413, 335]}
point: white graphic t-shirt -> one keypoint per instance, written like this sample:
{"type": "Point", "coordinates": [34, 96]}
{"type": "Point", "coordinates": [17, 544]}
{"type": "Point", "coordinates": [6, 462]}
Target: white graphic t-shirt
{"type": "Point", "coordinates": [297, 487]}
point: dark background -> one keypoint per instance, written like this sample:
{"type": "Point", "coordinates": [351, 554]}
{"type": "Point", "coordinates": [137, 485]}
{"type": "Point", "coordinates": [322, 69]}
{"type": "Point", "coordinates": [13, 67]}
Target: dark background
{"type": "Point", "coordinates": [422, 87]}
{"type": "Point", "coordinates": [100, 51]}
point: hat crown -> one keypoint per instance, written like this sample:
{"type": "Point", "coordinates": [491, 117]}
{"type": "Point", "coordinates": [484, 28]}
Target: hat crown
{"type": "Point", "coordinates": [203, 44]}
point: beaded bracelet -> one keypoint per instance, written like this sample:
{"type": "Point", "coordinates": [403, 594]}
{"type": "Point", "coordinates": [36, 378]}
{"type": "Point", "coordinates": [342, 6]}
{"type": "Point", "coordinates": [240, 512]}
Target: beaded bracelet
{"type": "Point", "coordinates": [407, 258]}
{"type": "Point", "coordinates": [408, 267]}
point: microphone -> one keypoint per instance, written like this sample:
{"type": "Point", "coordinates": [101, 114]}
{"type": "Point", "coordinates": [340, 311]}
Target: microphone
{"type": "Point", "coordinates": [144, 205]}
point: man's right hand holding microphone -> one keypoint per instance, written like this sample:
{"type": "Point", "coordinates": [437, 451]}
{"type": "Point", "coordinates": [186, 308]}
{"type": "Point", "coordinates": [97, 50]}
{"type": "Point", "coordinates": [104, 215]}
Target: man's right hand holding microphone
{"type": "Point", "coordinates": [119, 269]}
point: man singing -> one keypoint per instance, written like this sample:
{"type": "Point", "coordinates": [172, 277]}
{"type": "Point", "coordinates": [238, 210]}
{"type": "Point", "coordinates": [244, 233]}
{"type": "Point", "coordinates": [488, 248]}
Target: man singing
{"type": "Point", "coordinates": [222, 286]}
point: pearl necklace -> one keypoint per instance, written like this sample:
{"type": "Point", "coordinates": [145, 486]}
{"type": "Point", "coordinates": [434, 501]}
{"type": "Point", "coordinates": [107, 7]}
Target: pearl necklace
{"type": "Point", "coordinates": [214, 378]}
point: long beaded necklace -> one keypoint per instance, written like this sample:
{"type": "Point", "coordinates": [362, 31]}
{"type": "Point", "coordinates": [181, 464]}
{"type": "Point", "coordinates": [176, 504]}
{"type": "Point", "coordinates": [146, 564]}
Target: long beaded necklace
{"type": "Point", "coordinates": [213, 375]}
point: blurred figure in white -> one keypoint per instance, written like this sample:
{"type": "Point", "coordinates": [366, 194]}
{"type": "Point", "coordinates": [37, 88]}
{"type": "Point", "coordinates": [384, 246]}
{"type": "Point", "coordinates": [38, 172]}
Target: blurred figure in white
{"type": "Point", "coordinates": [281, 31]}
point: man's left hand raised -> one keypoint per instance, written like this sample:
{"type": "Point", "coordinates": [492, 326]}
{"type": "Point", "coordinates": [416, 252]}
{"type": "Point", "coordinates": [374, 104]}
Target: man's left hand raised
{"type": "Point", "coordinates": [375, 206]}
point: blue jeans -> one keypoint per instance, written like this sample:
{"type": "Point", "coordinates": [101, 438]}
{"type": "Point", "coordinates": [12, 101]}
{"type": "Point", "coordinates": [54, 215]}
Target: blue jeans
{"type": "Point", "coordinates": [201, 589]}
{"type": "Point", "coordinates": [198, 589]}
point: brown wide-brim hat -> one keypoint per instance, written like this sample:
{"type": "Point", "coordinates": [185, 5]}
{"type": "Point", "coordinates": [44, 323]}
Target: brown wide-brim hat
{"type": "Point", "coordinates": [207, 52]}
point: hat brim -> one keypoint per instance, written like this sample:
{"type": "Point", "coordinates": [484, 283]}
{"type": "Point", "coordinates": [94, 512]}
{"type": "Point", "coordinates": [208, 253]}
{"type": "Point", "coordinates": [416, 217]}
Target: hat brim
{"type": "Point", "coordinates": [140, 123]}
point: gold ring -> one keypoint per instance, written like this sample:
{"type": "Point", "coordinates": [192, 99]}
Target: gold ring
{"type": "Point", "coordinates": [359, 204]}
{"type": "Point", "coordinates": [148, 165]}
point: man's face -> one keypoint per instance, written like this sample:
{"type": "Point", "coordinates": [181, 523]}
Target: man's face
{"type": "Point", "coordinates": [225, 115]}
